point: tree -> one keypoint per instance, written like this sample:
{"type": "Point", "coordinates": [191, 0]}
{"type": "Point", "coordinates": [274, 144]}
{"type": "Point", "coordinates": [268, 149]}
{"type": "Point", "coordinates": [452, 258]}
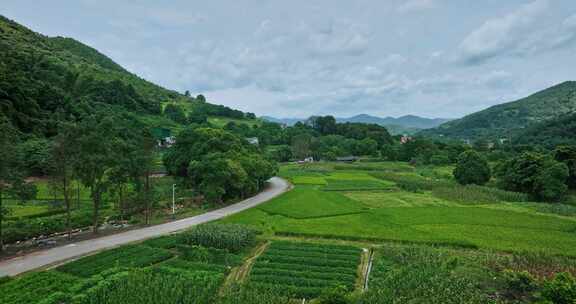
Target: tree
{"type": "Point", "coordinates": [325, 125]}
{"type": "Point", "coordinates": [567, 155]}
{"type": "Point", "coordinates": [301, 146]}
{"type": "Point", "coordinates": [472, 168]}
{"type": "Point", "coordinates": [201, 98]}
{"type": "Point", "coordinates": [95, 138]}
{"type": "Point", "coordinates": [187, 93]}
{"type": "Point", "coordinates": [11, 171]}
{"type": "Point", "coordinates": [175, 113]}
{"type": "Point", "coordinates": [534, 173]}
{"type": "Point", "coordinates": [62, 157]}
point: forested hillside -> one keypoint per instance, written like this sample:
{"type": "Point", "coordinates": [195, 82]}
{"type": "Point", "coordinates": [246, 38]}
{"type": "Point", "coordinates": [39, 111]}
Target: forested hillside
{"type": "Point", "coordinates": [44, 80]}
{"type": "Point", "coordinates": [508, 119]}
{"type": "Point", "coordinates": [550, 133]}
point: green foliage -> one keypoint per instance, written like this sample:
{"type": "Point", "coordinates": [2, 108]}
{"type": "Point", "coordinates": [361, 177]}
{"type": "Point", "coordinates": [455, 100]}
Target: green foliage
{"type": "Point", "coordinates": [472, 168]}
{"type": "Point", "coordinates": [158, 286]}
{"type": "Point", "coordinates": [304, 269]}
{"type": "Point", "coordinates": [567, 155]}
{"type": "Point", "coordinates": [560, 290]}
{"type": "Point", "coordinates": [420, 275]}
{"type": "Point", "coordinates": [233, 238]}
{"type": "Point", "coordinates": [520, 282]}
{"type": "Point", "coordinates": [126, 256]}
{"type": "Point", "coordinates": [34, 287]}
{"type": "Point", "coordinates": [474, 194]}
{"type": "Point", "coordinates": [218, 163]}
{"type": "Point", "coordinates": [334, 296]}
{"type": "Point", "coordinates": [534, 173]}
{"type": "Point", "coordinates": [175, 113]}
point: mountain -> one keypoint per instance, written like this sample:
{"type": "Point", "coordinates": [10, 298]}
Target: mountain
{"type": "Point", "coordinates": [509, 119]}
{"type": "Point", "coordinates": [407, 124]}
{"type": "Point", "coordinates": [549, 133]}
{"type": "Point", "coordinates": [407, 121]}
{"type": "Point", "coordinates": [44, 80]}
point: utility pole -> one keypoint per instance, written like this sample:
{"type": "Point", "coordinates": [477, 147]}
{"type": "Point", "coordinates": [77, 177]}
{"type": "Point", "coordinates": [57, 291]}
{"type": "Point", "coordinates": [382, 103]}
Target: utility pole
{"type": "Point", "coordinates": [173, 201]}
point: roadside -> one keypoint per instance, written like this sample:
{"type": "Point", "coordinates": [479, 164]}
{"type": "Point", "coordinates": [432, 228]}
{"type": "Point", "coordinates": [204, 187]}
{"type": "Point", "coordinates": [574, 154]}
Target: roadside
{"type": "Point", "coordinates": [56, 255]}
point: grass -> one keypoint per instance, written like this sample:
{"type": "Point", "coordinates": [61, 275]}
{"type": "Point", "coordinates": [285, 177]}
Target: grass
{"type": "Point", "coordinates": [222, 121]}
{"type": "Point", "coordinates": [309, 202]}
{"type": "Point", "coordinates": [335, 184]}
{"type": "Point", "coordinates": [383, 215]}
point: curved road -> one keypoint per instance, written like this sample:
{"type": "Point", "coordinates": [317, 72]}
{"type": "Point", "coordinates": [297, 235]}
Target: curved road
{"type": "Point", "coordinates": [56, 255]}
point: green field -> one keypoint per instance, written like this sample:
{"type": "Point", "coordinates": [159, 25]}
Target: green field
{"type": "Point", "coordinates": [360, 212]}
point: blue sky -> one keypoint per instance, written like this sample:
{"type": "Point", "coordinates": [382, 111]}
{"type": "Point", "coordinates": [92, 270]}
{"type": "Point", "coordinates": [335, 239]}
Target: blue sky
{"type": "Point", "coordinates": [434, 58]}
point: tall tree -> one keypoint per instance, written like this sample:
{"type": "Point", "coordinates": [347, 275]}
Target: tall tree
{"type": "Point", "coordinates": [62, 159]}
{"type": "Point", "coordinates": [95, 139]}
{"type": "Point", "coordinates": [567, 155]}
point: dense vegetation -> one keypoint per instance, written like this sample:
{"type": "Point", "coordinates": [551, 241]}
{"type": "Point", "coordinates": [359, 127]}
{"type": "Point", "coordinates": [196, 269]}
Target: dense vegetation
{"type": "Point", "coordinates": [505, 120]}
{"type": "Point", "coordinates": [82, 123]}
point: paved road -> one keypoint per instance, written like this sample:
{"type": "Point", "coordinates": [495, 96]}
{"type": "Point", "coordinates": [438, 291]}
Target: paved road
{"type": "Point", "coordinates": [60, 254]}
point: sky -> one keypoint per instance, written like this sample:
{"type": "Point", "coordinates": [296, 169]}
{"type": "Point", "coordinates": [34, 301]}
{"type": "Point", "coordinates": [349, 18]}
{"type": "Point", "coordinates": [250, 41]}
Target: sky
{"type": "Point", "coordinates": [433, 58]}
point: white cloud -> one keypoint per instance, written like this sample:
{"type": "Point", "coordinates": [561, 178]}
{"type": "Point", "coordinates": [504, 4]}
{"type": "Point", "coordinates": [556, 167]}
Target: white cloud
{"type": "Point", "coordinates": [510, 34]}
{"type": "Point", "coordinates": [416, 5]}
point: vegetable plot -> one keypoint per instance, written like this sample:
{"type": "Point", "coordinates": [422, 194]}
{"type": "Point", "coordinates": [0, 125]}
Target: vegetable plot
{"type": "Point", "coordinates": [304, 270]}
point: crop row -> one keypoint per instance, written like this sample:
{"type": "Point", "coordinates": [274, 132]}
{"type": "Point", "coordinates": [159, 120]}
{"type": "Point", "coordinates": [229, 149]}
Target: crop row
{"type": "Point", "coordinates": [193, 266]}
{"type": "Point", "coordinates": [341, 277]}
{"type": "Point", "coordinates": [312, 261]}
{"type": "Point", "coordinates": [294, 281]}
{"type": "Point", "coordinates": [288, 290]}
{"type": "Point", "coordinates": [312, 254]}
{"type": "Point", "coordinates": [231, 237]}
{"type": "Point", "coordinates": [303, 268]}
{"type": "Point", "coordinates": [208, 255]}
{"type": "Point", "coordinates": [33, 287]}
{"type": "Point", "coordinates": [153, 286]}
{"type": "Point", "coordinates": [127, 256]}
{"type": "Point", "coordinates": [343, 249]}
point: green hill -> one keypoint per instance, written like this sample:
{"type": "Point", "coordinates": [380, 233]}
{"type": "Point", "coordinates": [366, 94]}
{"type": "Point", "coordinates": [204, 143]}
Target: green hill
{"type": "Point", "coordinates": [550, 133]}
{"type": "Point", "coordinates": [509, 119]}
{"type": "Point", "coordinates": [47, 79]}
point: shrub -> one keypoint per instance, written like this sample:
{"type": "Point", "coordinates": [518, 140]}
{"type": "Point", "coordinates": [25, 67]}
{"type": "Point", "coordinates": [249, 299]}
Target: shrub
{"type": "Point", "coordinates": [472, 168]}
{"type": "Point", "coordinates": [519, 281]}
{"type": "Point", "coordinates": [561, 289]}
{"type": "Point", "coordinates": [335, 295]}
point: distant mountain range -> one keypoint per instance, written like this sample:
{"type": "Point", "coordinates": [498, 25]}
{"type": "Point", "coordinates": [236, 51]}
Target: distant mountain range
{"type": "Point", "coordinates": [509, 120]}
{"type": "Point", "coordinates": [407, 124]}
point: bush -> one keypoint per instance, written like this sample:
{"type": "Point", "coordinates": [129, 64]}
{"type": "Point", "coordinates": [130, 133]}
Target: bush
{"type": "Point", "coordinates": [520, 281]}
{"type": "Point", "coordinates": [561, 289]}
{"type": "Point", "coordinates": [336, 295]}
{"type": "Point", "coordinates": [472, 168]}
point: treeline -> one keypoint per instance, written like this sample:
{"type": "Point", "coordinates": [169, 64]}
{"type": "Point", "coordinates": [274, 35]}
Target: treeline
{"type": "Point", "coordinates": [218, 164]}
{"type": "Point", "coordinates": [545, 176]}
{"type": "Point", "coordinates": [320, 137]}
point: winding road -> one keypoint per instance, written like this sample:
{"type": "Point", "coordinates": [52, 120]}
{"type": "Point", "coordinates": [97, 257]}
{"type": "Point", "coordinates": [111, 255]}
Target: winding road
{"type": "Point", "coordinates": [58, 255]}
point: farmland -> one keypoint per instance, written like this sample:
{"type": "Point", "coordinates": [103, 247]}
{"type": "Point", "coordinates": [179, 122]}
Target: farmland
{"type": "Point", "coordinates": [358, 233]}
{"type": "Point", "coordinates": [421, 205]}
{"type": "Point", "coordinates": [305, 270]}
